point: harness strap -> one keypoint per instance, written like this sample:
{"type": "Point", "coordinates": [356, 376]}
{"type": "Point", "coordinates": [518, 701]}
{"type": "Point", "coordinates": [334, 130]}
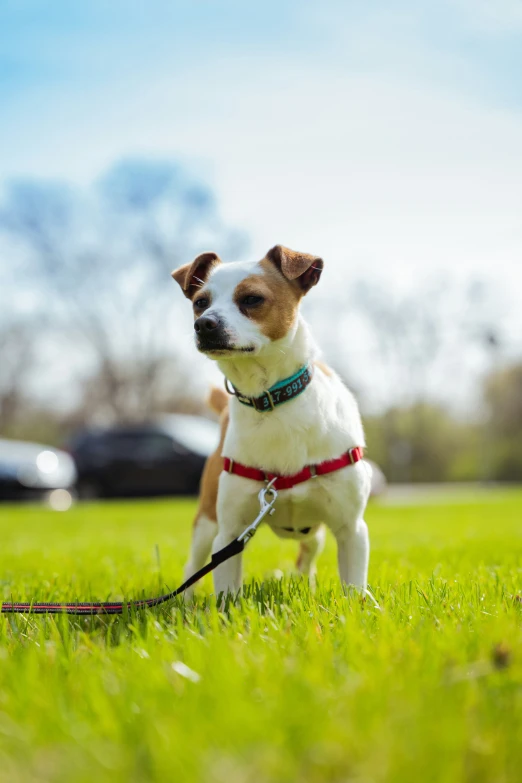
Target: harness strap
{"type": "Point", "coordinates": [288, 482]}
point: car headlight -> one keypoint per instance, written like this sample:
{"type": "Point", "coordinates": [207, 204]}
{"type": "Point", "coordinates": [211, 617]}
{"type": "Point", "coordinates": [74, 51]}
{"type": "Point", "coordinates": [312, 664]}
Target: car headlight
{"type": "Point", "coordinates": [47, 462]}
{"type": "Point", "coordinates": [49, 470]}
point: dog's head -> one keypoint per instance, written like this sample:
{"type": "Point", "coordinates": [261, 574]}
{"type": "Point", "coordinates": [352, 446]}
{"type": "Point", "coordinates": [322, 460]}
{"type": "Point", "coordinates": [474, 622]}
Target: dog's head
{"type": "Point", "coordinates": [241, 307]}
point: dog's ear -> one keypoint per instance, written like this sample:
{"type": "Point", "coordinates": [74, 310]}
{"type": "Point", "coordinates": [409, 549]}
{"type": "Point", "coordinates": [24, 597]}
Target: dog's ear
{"type": "Point", "coordinates": [302, 268]}
{"type": "Point", "coordinates": [193, 276]}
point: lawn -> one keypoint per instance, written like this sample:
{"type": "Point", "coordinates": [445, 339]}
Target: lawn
{"type": "Point", "coordinates": [285, 686]}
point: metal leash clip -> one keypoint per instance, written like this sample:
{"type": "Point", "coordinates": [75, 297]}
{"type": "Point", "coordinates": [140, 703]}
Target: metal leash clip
{"type": "Point", "coordinates": [267, 499]}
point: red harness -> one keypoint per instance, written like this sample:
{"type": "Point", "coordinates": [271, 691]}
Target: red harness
{"type": "Point", "coordinates": [287, 482]}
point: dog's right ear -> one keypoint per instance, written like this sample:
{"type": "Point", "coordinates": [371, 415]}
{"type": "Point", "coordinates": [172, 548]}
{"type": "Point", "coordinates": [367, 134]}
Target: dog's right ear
{"type": "Point", "coordinates": [193, 276]}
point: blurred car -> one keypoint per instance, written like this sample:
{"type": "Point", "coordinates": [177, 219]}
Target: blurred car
{"type": "Point", "coordinates": [163, 457]}
{"type": "Point", "coordinates": [31, 470]}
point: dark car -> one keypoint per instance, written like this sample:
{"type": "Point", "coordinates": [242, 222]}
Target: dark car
{"type": "Point", "coordinates": [162, 457]}
{"type": "Point", "coordinates": [31, 470]}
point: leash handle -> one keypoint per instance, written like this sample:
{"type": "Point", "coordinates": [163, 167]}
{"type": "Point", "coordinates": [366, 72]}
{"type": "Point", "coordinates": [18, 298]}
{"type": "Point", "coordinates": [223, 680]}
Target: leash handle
{"type": "Point", "coordinates": [104, 608]}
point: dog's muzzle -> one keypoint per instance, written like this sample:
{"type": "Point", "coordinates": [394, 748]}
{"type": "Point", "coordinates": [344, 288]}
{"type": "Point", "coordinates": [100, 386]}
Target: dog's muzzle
{"type": "Point", "coordinates": [210, 334]}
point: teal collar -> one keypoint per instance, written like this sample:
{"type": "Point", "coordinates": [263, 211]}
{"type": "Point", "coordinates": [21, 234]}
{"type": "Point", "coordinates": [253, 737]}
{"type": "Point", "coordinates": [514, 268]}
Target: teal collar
{"type": "Point", "coordinates": [284, 391]}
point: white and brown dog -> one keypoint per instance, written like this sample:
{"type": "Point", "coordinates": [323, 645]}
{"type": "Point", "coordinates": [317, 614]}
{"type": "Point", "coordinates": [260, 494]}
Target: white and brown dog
{"type": "Point", "coordinates": [290, 416]}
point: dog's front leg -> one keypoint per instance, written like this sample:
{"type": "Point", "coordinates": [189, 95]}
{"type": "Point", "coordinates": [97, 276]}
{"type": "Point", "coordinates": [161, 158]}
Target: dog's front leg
{"type": "Point", "coordinates": [353, 553]}
{"type": "Point", "coordinates": [229, 575]}
{"type": "Point", "coordinates": [230, 514]}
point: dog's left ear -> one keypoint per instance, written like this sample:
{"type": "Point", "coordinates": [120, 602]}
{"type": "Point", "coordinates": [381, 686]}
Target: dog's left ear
{"type": "Point", "coordinates": [194, 275]}
{"type": "Point", "coordinates": [302, 268]}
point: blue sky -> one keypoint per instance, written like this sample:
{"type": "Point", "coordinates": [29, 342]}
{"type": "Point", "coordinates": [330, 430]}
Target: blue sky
{"type": "Point", "coordinates": [384, 135]}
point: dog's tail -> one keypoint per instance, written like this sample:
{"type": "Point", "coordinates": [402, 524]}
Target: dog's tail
{"type": "Point", "coordinates": [218, 399]}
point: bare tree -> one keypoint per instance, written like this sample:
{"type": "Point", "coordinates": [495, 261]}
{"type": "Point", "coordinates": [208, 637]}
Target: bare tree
{"type": "Point", "coordinates": [421, 347]}
{"type": "Point", "coordinates": [97, 262]}
{"type": "Point", "coordinates": [16, 361]}
{"type": "Point", "coordinates": [408, 331]}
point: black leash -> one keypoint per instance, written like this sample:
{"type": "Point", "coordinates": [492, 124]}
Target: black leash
{"type": "Point", "coordinates": [111, 607]}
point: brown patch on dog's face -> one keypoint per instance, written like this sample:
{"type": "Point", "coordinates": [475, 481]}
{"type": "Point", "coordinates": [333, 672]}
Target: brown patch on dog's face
{"type": "Point", "coordinates": [269, 300]}
{"type": "Point", "coordinates": [272, 299]}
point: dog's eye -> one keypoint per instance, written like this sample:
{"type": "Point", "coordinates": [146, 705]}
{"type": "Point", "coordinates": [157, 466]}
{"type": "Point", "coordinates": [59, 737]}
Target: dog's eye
{"type": "Point", "coordinates": [202, 303]}
{"type": "Point", "coordinates": [251, 300]}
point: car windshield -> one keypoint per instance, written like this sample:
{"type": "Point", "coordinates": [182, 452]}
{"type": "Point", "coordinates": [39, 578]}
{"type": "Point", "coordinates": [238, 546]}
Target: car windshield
{"type": "Point", "coordinates": [193, 432]}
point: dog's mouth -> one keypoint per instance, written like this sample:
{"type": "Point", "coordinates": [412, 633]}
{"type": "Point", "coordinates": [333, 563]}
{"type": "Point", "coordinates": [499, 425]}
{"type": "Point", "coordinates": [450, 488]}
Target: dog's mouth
{"type": "Point", "coordinates": [223, 349]}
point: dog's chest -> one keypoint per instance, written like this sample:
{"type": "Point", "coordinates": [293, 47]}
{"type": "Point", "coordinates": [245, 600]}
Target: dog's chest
{"type": "Point", "coordinates": [321, 424]}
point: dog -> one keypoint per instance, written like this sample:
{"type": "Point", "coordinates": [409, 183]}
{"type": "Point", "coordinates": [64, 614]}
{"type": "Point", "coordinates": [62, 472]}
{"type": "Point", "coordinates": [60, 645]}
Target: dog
{"type": "Point", "coordinates": [286, 416]}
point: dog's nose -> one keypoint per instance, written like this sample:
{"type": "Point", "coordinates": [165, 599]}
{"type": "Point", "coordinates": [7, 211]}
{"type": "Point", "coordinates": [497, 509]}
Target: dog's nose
{"type": "Point", "coordinates": [205, 324]}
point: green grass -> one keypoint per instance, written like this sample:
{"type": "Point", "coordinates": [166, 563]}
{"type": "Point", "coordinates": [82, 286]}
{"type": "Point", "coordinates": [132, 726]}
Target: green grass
{"type": "Point", "coordinates": [285, 686]}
